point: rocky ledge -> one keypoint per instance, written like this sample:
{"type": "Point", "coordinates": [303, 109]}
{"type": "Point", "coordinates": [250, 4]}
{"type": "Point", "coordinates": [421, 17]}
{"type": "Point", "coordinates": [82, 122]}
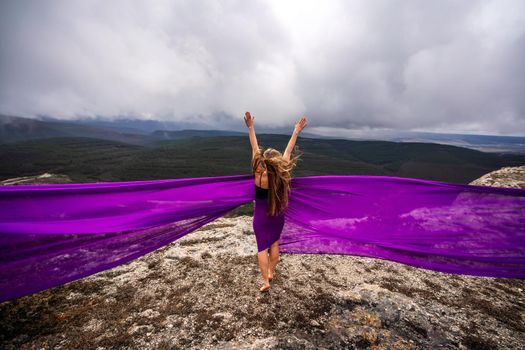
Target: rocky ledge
{"type": "Point", "coordinates": [513, 177]}
{"type": "Point", "coordinates": [201, 292]}
{"type": "Point", "coordinates": [46, 178]}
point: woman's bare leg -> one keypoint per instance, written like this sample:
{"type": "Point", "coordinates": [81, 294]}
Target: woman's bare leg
{"type": "Point", "coordinates": [274, 259]}
{"type": "Point", "coordinates": [263, 265]}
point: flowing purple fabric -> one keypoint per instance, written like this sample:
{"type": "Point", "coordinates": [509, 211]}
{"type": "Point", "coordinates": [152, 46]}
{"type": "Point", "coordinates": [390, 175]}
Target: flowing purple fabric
{"type": "Point", "coordinates": [53, 234]}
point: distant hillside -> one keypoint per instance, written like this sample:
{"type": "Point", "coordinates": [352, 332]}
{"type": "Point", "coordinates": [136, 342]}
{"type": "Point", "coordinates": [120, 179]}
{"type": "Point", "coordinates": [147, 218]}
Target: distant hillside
{"type": "Point", "coordinates": [14, 129]}
{"type": "Point", "coordinates": [87, 159]}
{"type": "Point", "coordinates": [486, 143]}
{"type": "Point", "coordinates": [185, 134]}
{"type": "Point", "coordinates": [144, 132]}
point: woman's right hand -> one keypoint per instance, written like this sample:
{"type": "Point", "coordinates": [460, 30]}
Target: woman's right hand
{"type": "Point", "coordinates": [248, 119]}
{"type": "Point", "coordinates": [300, 125]}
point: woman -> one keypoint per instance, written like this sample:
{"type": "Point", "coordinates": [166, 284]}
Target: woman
{"type": "Point", "coordinates": [272, 184]}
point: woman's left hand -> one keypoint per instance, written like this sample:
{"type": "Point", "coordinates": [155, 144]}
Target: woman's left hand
{"type": "Point", "coordinates": [248, 119]}
{"type": "Point", "coordinates": [300, 125]}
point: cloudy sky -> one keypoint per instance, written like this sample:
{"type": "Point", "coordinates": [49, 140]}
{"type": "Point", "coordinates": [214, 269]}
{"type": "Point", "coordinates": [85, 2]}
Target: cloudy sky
{"type": "Point", "coordinates": [454, 66]}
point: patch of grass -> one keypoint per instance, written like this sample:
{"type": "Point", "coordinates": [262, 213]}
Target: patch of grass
{"type": "Point", "coordinates": [369, 337]}
{"type": "Point", "coordinates": [113, 273]}
{"type": "Point", "coordinates": [190, 262]}
{"type": "Point", "coordinates": [396, 285]}
{"type": "Point", "coordinates": [214, 226]}
{"type": "Point", "coordinates": [29, 316]}
{"type": "Point", "coordinates": [474, 341]}
{"type": "Point", "coordinates": [191, 242]}
{"type": "Point", "coordinates": [436, 287]}
{"type": "Point", "coordinates": [391, 270]}
{"type": "Point", "coordinates": [157, 274]}
{"type": "Point", "coordinates": [418, 329]}
{"type": "Point", "coordinates": [330, 281]}
{"type": "Point", "coordinates": [89, 286]}
{"type": "Point", "coordinates": [507, 287]}
{"type": "Point", "coordinates": [153, 264]}
{"type": "Point", "coordinates": [119, 340]}
{"type": "Point", "coordinates": [454, 284]}
{"type": "Point", "coordinates": [205, 319]}
{"type": "Point", "coordinates": [320, 305]}
{"type": "Point", "coordinates": [167, 345]}
{"type": "Point", "coordinates": [178, 302]}
{"type": "Point", "coordinates": [306, 266]}
{"type": "Point", "coordinates": [50, 313]}
{"type": "Point", "coordinates": [245, 209]}
{"type": "Point", "coordinates": [508, 316]}
{"type": "Point", "coordinates": [510, 282]}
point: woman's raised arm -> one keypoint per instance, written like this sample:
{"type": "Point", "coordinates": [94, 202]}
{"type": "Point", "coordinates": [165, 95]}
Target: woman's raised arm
{"type": "Point", "coordinates": [248, 119]}
{"type": "Point", "coordinates": [299, 126]}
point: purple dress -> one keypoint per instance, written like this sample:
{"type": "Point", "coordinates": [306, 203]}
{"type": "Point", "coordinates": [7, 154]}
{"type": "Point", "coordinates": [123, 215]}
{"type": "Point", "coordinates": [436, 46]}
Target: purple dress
{"type": "Point", "coordinates": [267, 228]}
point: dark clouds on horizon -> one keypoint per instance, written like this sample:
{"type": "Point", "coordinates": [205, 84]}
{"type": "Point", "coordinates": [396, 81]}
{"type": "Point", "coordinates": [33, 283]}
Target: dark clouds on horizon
{"type": "Point", "coordinates": [454, 66]}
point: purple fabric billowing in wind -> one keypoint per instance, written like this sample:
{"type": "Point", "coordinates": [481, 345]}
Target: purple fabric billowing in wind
{"type": "Point", "coordinates": [53, 234]}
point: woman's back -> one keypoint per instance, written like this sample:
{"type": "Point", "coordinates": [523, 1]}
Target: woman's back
{"type": "Point", "coordinates": [262, 176]}
{"type": "Point", "coordinates": [261, 189]}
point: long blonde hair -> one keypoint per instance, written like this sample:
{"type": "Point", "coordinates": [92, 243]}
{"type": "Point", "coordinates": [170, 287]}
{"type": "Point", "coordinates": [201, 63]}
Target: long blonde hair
{"type": "Point", "coordinates": [279, 176]}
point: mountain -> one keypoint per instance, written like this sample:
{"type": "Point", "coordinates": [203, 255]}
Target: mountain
{"type": "Point", "coordinates": [89, 159]}
{"type": "Point", "coordinates": [142, 132]}
{"type": "Point", "coordinates": [485, 143]}
{"type": "Point", "coordinates": [147, 126]}
{"type": "Point", "coordinates": [124, 124]}
{"type": "Point", "coordinates": [186, 134]}
{"type": "Point", "coordinates": [13, 129]}
{"type": "Point", "coordinates": [92, 153]}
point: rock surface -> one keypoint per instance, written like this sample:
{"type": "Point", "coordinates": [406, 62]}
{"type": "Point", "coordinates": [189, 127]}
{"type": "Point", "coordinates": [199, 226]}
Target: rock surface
{"type": "Point", "coordinates": [46, 178]}
{"type": "Point", "coordinates": [513, 177]}
{"type": "Point", "coordinates": [201, 292]}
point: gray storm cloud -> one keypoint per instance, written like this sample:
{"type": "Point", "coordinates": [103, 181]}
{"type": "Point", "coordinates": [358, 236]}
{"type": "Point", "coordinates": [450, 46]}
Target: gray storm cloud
{"type": "Point", "coordinates": [410, 65]}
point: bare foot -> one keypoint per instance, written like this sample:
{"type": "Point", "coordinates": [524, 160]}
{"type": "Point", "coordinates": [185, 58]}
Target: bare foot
{"type": "Point", "coordinates": [270, 276]}
{"type": "Point", "coordinates": [265, 288]}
